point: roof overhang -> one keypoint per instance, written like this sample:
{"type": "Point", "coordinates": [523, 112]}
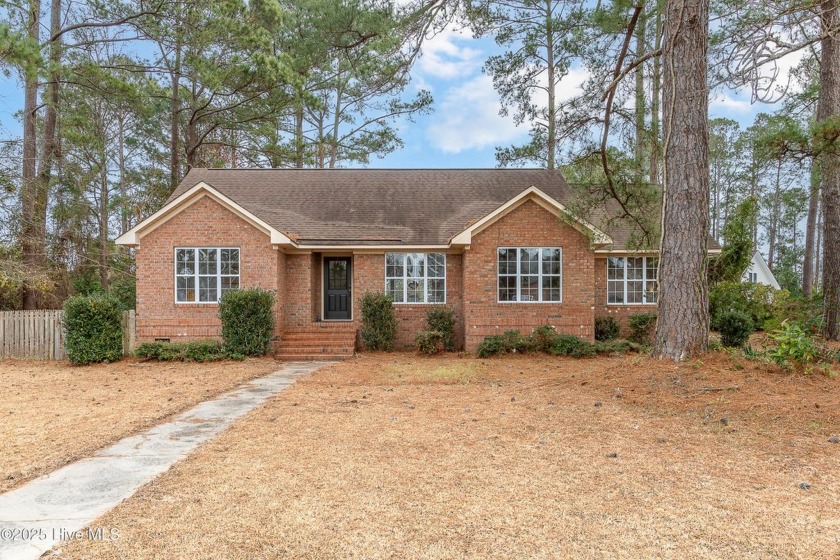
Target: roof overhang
{"type": "Point", "coordinates": [598, 237]}
{"type": "Point", "coordinates": [201, 190]}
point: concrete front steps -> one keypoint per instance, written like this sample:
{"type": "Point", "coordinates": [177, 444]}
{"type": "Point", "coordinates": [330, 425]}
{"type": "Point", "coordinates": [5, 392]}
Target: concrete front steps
{"type": "Point", "coordinates": [321, 342]}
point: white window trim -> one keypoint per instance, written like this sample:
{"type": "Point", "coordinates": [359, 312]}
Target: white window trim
{"type": "Point", "coordinates": [426, 278]}
{"type": "Point", "coordinates": [195, 275]}
{"type": "Point", "coordinates": [518, 276]}
{"type": "Point", "coordinates": [624, 282]}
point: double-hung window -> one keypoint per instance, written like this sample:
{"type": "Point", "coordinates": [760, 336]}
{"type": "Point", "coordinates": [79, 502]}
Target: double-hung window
{"type": "Point", "coordinates": [203, 274]}
{"type": "Point", "coordinates": [416, 277]}
{"type": "Point", "coordinates": [632, 280]}
{"type": "Point", "coordinates": [530, 274]}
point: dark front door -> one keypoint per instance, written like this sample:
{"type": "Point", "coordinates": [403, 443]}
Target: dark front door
{"type": "Point", "coordinates": [337, 288]}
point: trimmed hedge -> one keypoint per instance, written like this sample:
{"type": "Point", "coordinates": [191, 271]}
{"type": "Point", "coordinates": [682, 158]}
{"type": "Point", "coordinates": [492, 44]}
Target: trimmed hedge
{"type": "Point", "coordinates": [247, 321]}
{"type": "Point", "coordinates": [606, 328]}
{"type": "Point", "coordinates": [442, 320]}
{"type": "Point", "coordinates": [196, 351]}
{"type": "Point", "coordinates": [430, 342]}
{"type": "Point", "coordinates": [379, 327]}
{"type": "Point", "coordinates": [545, 339]}
{"type": "Point", "coordinates": [93, 329]}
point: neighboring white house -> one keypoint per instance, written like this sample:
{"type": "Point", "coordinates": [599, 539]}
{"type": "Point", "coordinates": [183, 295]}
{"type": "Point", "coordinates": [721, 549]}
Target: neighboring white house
{"type": "Point", "coordinates": [759, 273]}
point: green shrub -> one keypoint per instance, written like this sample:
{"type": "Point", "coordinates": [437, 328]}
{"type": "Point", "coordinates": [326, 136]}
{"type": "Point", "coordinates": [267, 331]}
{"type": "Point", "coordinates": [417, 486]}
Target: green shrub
{"type": "Point", "coordinates": [430, 342]}
{"type": "Point", "coordinates": [196, 351]}
{"type": "Point", "coordinates": [442, 320]}
{"type": "Point", "coordinates": [616, 346]}
{"type": "Point", "coordinates": [570, 345]}
{"type": "Point", "coordinates": [735, 328]}
{"type": "Point", "coordinates": [491, 346]}
{"type": "Point", "coordinates": [641, 327]}
{"type": "Point", "coordinates": [93, 327]}
{"type": "Point", "coordinates": [541, 338]}
{"type": "Point", "coordinates": [516, 342]}
{"type": "Point", "coordinates": [124, 290]}
{"type": "Point", "coordinates": [760, 302]}
{"type": "Point", "coordinates": [247, 321]}
{"type": "Point", "coordinates": [606, 328]}
{"type": "Point", "coordinates": [794, 346]}
{"type": "Point", "coordinates": [379, 327]}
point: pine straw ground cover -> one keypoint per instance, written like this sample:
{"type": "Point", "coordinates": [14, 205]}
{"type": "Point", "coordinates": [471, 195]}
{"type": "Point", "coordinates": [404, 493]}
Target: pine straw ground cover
{"type": "Point", "coordinates": [398, 456]}
{"type": "Point", "coordinates": [52, 413]}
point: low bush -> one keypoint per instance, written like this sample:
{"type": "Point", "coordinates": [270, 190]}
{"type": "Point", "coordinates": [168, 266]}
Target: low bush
{"type": "Point", "coordinates": [616, 346]}
{"type": "Point", "coordinates": [641, 327]}
{"type": "Point", "coordinates": [735, 328]}
{"type": "Point", "coordinates": [442, 320]}
{"type": "Point", "coordinates": [546, 339]}
{"type": "Point", "coordinates": [794, 347]}
{"type": "Point", "coordinates": [606, 328]}
{"type": "Point", "coordinates": [247, 321]}
{"type": "Point", "coordinates": [379, 327]}
{"type": "Point", "coordinates": [767, 307]}
{"type": "Point", "coordinates": [542, 338]}
{"type": "Point", "coordinates": [430, 342]}
{"type": "Point", "coordinates": [196, 351]}
{"type": "Point", "coordinates": [570, 345]}
{"type": "Point", "coordinates": [492, 345]}
{"type": "Point", "coordinates": [93, 329]}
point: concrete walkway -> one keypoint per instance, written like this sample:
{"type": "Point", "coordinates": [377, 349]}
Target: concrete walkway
{"type": "Point", "coordinates": [39, 514]}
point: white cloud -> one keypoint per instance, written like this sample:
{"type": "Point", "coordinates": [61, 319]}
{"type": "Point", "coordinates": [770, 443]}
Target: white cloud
{"type": "Point", "coordinates": [726, 103]}
{"type": "Point", "coordinates": [448, 55]}
{"type": "Point", "coordinates": [468, 118]}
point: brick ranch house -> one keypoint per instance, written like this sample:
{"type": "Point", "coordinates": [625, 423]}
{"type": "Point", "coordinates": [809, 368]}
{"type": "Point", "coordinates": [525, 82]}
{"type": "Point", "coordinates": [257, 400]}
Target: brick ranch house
{"type": "Point", "coordinates": [499, 247]}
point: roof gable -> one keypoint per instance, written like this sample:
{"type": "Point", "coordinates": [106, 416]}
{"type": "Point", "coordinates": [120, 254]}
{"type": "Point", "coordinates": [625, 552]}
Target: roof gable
{"type": "Point", "coordinates": [185, 200]}
{"type": "Point", "coordinates": [534, 194]}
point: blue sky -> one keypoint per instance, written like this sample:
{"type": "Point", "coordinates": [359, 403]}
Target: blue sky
{"type": "Point", "coordinates": [465, 126]}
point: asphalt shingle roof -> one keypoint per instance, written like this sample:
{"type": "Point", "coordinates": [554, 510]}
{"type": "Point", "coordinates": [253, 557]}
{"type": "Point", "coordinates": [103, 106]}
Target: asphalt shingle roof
{"type": "Point", "coordinates": [381, 206]}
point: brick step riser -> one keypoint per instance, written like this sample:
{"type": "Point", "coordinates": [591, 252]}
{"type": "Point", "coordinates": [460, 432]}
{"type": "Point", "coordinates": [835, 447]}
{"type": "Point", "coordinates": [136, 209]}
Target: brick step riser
{"type": "Point", "coordinates": [328, 339]}
{"type": "Point", "coordinates": [315, 347]}
{"type": "Point", "coordinates": [311, 357]}
{"type": "Point", "coordinates": [297, 348]}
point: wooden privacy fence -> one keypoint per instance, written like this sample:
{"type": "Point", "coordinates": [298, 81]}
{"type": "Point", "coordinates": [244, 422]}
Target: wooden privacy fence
{"type": "Point", "coordinates": [39, 335]}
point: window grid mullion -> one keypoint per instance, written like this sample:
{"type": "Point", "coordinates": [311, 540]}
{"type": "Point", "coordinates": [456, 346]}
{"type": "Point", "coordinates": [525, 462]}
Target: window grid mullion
{"type": "Point", "coordinates": [539, 275]}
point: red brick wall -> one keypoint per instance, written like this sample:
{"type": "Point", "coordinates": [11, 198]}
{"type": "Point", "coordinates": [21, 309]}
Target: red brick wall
{"type": "Point", "coordinates": [204, 224]}
{"type": "Point", "coordinates": [369, 276]}
{"type": "Point", "coordinates": [299, 311]}
{"type": "Point", "coordinates": [620, 312]}
{"type": "Point", "coordinates": [530, 225]}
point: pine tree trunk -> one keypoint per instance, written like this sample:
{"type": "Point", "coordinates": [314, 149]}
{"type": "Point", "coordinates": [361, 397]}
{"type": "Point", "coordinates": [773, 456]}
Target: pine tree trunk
{"type": "Point", "coordinates": [641, 105]}
{"type": "Point", "coordinates": [829, 108]}
{"type": "Point", "coordinates": [683, 327]}
{"type": "Point", "coordinates": [811, 233]}
{"type": "Point", "coordinates": [104, 250]}
{"type": "Point", "coordinates": [175, 110]}
{"type": "Point", "coordinates": [775, 211]}
{"type": "Point", "coordinates": [551, 125]}
{"type": "Point", "coordinates": [30, 252]}
{"type": "Point", "coordinates": [656, 97]}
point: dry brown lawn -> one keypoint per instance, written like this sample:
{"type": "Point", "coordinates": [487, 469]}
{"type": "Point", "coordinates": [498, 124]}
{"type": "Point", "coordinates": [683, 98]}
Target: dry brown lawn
{"type": "Point", "coordinates": [398, 456]}
{"type": "Point", "coordinates": [53, 413]}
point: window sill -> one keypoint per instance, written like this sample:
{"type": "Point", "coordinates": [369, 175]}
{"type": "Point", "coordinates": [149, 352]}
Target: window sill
{"type": "Point", "coordinates": [530, 302]}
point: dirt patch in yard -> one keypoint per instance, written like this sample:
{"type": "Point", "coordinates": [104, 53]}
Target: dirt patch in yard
{"type": "Point", "coordinates": [53, 413]}
{"type": "Point", "coordinates": [399, 456]}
